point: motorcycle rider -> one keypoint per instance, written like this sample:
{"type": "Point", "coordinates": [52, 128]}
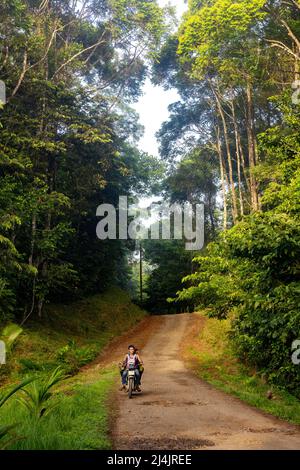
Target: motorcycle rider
{"type": "Point", "coordinates": [132, 357]}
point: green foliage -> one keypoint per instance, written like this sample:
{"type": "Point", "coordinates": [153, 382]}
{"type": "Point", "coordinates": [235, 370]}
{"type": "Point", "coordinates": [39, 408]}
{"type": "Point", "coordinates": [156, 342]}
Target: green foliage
{"type": "Point", "coordinates": [71, 335]}
{"type": "Point", "coordinates": [72, 358]}
{"type": "Point", "coordinates": [10, 334]}
{"type": "Point", "coordinates": [170, 261]}
{"type": "Point", "coordinates": [4, 397]}
{"type": "Point", "coordinates": [29, 366]}
{"type": "Point", "coordinates": [67, 143]}
{"type": "Point", "coordinates": [38, 397]}
{"type": "Point", "coordinates": [211, 33]}
{"type": "Point", "coordinates": [7, 300]}
{"type": "Point", "coordinates": [215, 361]}
{"type": "Point", "coordinates": [76, 415]}
{"type": "Point", "coordinates": [213, 285]}
{"type": "Point", "coordinates": [80, 421]}
{"type": "Point", "coordinates": [233, 141]}
{"type": "Point", "coordinates": [6, 435]}
{"type": "Point", "coordinates": [253, 270]}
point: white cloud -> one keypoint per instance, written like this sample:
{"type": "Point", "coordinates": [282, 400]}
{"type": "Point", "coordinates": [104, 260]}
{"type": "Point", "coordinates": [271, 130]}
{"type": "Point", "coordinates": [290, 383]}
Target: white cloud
{"type": "Point", "coordinates": [153, 110]}
{"type": "Point", "coordinates": [153, 105]}
{"type": "Point", "coordinates": [180, 5]}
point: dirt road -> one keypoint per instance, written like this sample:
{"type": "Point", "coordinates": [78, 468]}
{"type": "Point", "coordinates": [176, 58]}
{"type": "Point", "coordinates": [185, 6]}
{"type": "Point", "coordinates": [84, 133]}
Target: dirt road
{"type": "Point", "coordinates": [176, 410]}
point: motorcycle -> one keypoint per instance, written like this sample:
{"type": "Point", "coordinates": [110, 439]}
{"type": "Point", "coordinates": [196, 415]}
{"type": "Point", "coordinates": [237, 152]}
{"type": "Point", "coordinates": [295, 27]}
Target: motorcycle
{"type": "Point", "coordinates": [131, 380]}
{"type": "Point", "coordinates": [131, 377]}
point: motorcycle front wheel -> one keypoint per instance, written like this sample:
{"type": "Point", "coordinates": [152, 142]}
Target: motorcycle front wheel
{"type": "Point", "coordinates": [130, 388]}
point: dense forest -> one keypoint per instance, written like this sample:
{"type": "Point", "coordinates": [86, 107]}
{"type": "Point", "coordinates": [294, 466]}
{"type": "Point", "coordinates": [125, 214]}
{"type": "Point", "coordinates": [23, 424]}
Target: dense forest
{"type": "Point", "coordinates": [68, 142]}
{"type": "Point", "coordinates": [233, 142]}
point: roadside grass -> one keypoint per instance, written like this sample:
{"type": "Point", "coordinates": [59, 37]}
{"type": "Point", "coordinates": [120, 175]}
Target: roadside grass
{"type": "Point", "coordinates": [213, 359]}
{"type": "Point", "coordinates": [71, 335]}
{"type": "Point", "coordinates": [79, 422]}
{"type": "Point", "coordinates": [68, 336]}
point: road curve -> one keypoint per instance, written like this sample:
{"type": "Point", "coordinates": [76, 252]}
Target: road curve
{"type": "Point", "coordinates": [176, 410]}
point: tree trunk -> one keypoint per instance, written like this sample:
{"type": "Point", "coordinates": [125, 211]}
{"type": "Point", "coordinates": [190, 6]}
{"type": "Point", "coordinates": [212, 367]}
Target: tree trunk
{"type": "Point", "coordinates": [40, 307]}
{"type": "Point", "coordinates": [33, 236]}
{"type": "Point", "coordinates": [243, 163]}
{"type": "Point", "coordinates": [229, 159]}
{"type": "Point", "coordinates": [251, 146]}
{"type": "Point", "coordinates": [221, 162]}
{"type": "Point", "coordinates": [238, 158]}
{"type": "Point", "coordinates": [211, 214]}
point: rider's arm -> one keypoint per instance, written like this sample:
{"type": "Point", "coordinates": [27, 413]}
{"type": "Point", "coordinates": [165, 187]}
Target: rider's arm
{"type": "Point", "coordinates": [121, 363]}
{"type": "Point", "coordinates": [139, 359]}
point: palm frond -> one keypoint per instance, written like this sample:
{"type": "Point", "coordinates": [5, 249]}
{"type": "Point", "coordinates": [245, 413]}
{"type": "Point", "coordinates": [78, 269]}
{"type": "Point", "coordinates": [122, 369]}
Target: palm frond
{"type": "Point", "coordinates": [20, 386]}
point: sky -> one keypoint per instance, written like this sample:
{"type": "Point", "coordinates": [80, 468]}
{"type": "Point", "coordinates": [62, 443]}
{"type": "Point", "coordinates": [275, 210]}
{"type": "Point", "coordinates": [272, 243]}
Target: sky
{"type": "Point", "coordinates": [153, 105]}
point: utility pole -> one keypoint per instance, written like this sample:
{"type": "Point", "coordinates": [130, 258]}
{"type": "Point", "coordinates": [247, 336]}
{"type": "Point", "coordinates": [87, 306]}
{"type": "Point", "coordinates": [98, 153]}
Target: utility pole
{"type": "Point", "coordinates": [2, 93]}
{"type": "Point", "coordinates": [141, 272]}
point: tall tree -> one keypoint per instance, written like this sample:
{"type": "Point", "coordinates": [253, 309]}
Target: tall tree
{"type": "Point", "coordinates": [71, 69]}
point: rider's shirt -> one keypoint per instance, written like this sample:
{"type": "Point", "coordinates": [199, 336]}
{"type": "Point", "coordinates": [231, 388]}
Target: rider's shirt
{"type": "Point", "coordinates": [132, 360]}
